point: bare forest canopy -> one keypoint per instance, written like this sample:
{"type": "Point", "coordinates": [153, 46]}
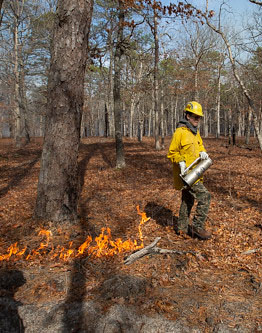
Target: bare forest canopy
{"type": "Point", "coordinates": [193, 63]}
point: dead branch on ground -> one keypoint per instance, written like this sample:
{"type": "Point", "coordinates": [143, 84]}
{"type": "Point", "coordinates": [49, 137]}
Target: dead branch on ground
{"type": "Point", "coordinates": [152, 249]}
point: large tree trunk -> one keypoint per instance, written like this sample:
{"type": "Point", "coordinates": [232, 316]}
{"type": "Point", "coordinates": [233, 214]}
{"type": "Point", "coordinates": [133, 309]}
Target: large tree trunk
{"type": "Point", "coordinates": [57, 195]}
{"type": "Point", "coordinates": [120, 157]}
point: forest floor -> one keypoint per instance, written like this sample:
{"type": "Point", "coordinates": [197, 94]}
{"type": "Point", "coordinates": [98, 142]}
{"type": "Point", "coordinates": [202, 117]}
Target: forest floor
{"type": "Point", "coordinates": [221, 284]}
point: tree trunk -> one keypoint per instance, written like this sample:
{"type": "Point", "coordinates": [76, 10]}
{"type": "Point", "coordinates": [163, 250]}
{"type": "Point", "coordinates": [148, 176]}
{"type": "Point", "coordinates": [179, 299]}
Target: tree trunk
{"type": "Point", "coordinates": [110, 98]}
{"type": "Point", "coordinates": [205, 123]}
{"type": "Point", "coordinates": [106, 134]}
{"type": "Point", "coordinates": [58, 190]}
{"type": "Point", "coordinates": [196, 93]}
{"type": "Point", "coordinates": [230, 126]}
{"type": "Point", "coordinates": [156, 84]}
{"type": "Point", "coordinates": [23, 103]}
{"type": "Point", "coordinates": [248, 125]}
{"type": "Point", "coordinates": [150, 119]}
{"type": "Point", "coordinates": [131, 117]}
{"type": "Point", "coordinates": [162, 130]}
{"type": "Point", "coordinates": [17, 111]}
{"type": "Point", "coordinates": [120, 157]}
{"type": "Point", "coordinates": [218, 100]}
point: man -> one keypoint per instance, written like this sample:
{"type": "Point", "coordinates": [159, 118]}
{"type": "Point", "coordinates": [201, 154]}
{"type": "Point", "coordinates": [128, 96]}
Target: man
{"type": "Point", "coordinates": [186, 146]}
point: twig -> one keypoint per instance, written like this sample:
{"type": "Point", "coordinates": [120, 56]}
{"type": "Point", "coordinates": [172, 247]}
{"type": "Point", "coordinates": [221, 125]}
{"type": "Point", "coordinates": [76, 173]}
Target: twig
{"type": "Point", "coordinates": [251, 251]}
{"type": "Point", "coordinates": [152, 249]}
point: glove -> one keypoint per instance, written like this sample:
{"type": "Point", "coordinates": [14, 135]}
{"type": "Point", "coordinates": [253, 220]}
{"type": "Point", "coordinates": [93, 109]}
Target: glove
{"type": "Point", "coordinates": [203, 155]}
{"type": "Point", "coordinates": [182, 166]}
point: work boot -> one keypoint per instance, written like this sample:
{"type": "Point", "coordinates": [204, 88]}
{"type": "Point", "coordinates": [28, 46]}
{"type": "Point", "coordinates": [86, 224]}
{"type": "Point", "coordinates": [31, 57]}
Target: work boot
{"type": "Point", "coordinates": [199, 233]}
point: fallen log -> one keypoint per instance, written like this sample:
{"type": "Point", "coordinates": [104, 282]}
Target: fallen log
{"type": "Point", "coordinates": [152, 249]}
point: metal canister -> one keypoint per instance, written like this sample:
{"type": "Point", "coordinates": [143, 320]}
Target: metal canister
{"type": "Point", "coordinates": [191, 177]}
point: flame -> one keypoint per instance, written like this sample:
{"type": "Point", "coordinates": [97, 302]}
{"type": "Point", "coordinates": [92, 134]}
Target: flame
{"type": "Point", "coordinates": [144, 219]}
{"type": "Point", "coordinates": [102, 246]}
{"type": "Point", "coordinates": [12, 250]}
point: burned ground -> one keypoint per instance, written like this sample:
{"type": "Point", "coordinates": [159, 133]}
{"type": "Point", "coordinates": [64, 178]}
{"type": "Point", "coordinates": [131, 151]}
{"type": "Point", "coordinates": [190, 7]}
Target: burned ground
{"type": "Point", "coordinates": [218, 290]}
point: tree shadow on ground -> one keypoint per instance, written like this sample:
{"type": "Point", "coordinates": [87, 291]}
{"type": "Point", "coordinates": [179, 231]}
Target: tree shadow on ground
{"type": "Point", "coordinates": [163, 216]}
{"type": "Point", "coordinates": [19, 173]}
{"type": "Point", "coordinates": [85, 268]}
{"type": "Point", "coordinates": [10, 281]}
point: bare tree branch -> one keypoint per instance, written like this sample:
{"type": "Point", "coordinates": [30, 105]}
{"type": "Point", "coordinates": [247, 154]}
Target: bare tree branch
{"type": "Point", "coordinates": [237, 77]}
{"type": "Point", "coordinates": [256, 2]}
{"type": "Point", "coordinates": [1, 15]}
{"type": "Point", "coordinates": [152, 249]}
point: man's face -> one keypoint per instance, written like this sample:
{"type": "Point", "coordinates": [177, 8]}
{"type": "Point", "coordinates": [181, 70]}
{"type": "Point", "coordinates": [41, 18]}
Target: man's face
{"type": "Point", "coordinates": [193, 119]}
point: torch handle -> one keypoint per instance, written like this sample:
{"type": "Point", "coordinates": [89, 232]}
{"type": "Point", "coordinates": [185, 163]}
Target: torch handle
{"type": "Point", "coordinates": [193, 163]}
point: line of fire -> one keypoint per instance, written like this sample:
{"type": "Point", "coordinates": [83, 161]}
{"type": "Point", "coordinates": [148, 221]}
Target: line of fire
{"type": "Point", "coordinates": [101, 246]}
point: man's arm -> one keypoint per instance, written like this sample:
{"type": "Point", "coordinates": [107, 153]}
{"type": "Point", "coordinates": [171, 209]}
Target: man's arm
{"type": "Point", "coordinates": [175, 148]}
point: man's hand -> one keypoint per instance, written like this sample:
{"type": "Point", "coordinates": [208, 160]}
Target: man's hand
{"type": "Point", "coordinates": [182, 166]}
{"type": "Point", "coordinates": [203, 155]}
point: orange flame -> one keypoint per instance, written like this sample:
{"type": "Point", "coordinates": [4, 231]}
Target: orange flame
{"type": "Point", "coordinates": [144, 219]}
{"type": "Point", "coordinates": [104, 246]}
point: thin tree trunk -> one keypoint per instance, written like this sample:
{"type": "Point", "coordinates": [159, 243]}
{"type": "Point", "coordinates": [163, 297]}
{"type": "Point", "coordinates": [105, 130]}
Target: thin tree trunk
{"type": "Point", "coordinates": [205, 124]}
{"type": "Point", "coordinates": [120, 157]}
{"type": "Point", "coordinates": [58, 184]}
{"type": "Point", "coordinates": [17, 111]}
{"type": "Point", "coordinates": [162, 119]}
{"type": "Point", "coordinates": [172, 114]}
{"type": "Point", "coordinates": [230, 126]}
{"type": "Point", "coordinates": [140, 129]}
{"type": "Point", "coordinates": [218, 100]}
{"type": "Point", "coordinates": [150, 121]}
{"type": "Point", "coordinates": [248, 126]}
{"type": "Point", "coordinates": [111, 130]}
{"type": "Point", "coordinates": [196, 93]}
{"type": "Point", "coordinates": [156, 83]}
{"type": "Point", "coordinates": [131, 117]}
{"type": "Point", "coordinates": [23, 103]}
{"type": "Point", "coordinates": [106, 134]}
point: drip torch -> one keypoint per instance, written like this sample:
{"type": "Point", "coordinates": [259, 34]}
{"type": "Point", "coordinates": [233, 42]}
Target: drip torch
{"type": "Point", "coordinates": [189, 178]}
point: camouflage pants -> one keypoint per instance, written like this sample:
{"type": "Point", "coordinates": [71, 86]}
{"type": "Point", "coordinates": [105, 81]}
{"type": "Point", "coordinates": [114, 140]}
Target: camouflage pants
{"type": "Point", "coordinates": [199, 193]}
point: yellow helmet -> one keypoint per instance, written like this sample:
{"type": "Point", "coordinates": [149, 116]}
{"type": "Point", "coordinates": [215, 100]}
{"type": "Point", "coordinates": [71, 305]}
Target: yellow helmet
{"type": "Point", "coordinates": [195, 108]}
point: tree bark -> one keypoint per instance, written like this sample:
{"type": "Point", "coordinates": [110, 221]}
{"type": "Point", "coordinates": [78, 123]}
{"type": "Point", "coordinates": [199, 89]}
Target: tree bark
{"type": "Point", "coordinates": [162, 130]}
{"type": "Point", "coordinates": [218, 99]}
{"type": "Point", "coordinates": [17, 110]}
{"type": "Point", "coordinates": [120, 157]}
{"type": "Point", "coordinates": [58, 190]}
{"type": "Point", "coordinates": [110, 97]}
{"type": "Point", "coordinates": [156, 83]}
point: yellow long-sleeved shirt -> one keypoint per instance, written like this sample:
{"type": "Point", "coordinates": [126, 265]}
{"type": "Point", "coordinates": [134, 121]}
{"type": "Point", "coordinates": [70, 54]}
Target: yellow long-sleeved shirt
{"type": "Point", "coordinates": [185, 146]}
